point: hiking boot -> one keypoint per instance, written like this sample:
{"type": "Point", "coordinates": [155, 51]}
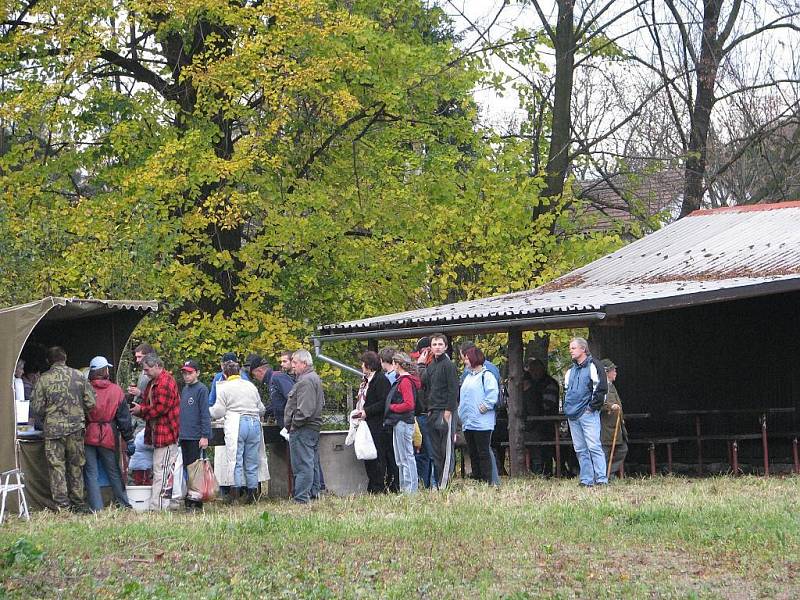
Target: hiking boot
{"type": "Point", "coordinates": [251, 496]}
{"type": "Point", "coordinates": [192, 505]}
{"type": "Point", "coordinates": [233, 496]}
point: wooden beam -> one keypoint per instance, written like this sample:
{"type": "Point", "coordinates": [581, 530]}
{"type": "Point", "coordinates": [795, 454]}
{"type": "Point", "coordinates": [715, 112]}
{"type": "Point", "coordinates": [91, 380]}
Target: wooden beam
{"type": "Point", "coordinates": [516, 425]}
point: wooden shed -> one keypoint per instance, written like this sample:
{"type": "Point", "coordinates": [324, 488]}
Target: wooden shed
{"type": "Point", "coordinates": [700, 316]}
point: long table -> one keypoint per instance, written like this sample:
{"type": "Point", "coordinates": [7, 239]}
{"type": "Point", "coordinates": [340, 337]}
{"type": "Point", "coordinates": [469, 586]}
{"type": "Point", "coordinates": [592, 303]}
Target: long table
{"type": "Point", "coordinates": [733, 438]}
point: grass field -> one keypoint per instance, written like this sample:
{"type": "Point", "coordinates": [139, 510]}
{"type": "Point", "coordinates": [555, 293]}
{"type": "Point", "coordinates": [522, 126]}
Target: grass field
{"type": "Point", "coordinates": [660, 538]}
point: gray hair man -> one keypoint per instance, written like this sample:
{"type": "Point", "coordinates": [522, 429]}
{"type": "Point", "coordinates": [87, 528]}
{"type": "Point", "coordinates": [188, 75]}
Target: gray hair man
{"type": "Point", "coordinates": [585, 387]}
{"type": "Point", "coordinates": [160, 409]}
{"type": "Point", "coordinates": [303, 420]}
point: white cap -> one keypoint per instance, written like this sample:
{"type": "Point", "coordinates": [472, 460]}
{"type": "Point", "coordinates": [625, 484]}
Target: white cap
{"type": "Point", "coordinates": [98, 362]}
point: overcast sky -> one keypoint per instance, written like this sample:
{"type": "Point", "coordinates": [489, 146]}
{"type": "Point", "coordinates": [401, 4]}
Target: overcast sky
{"type": "Point", "coordinates": [496, 110]}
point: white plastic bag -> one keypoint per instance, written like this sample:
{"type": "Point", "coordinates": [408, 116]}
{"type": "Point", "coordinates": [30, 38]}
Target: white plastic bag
{"type": "Point", "coordinates": [364, 446]}
{"type": "Point", "coordinates": [351, 435]}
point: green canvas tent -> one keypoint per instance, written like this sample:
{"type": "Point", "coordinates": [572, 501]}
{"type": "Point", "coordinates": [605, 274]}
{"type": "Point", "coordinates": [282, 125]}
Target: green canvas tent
{"type": "Point", "coordinates": [84, 328]}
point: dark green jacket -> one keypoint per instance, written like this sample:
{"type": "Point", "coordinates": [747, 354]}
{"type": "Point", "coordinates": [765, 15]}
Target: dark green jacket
{"type": "Point", "coordinates": [62, 400]}
{"type": "Point", "coordinates": [608, 418]}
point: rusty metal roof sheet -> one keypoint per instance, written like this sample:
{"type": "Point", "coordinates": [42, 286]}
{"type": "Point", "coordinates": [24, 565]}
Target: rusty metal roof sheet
{"type": "Point", "coordinates": [709, 256]}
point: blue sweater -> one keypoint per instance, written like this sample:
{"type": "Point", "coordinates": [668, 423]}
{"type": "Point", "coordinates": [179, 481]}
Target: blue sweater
{"type": "Point", "coordinates": [195, 419]}
{"type": "Point", "coordinates": [478, 388]}
{"type": "Point", "coordinates": [585, 386]}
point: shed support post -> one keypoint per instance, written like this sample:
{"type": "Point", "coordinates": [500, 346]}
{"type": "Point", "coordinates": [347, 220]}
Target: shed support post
{"type": "Point", "coordinates": [516, 426]}
{"type": "Point", "coordinates": [372, 344]}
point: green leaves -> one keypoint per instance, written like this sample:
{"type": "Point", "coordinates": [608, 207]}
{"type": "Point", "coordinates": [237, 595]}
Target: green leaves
{"type": "Point", "coordinates": [259, 169]}
{"type": "Point", "coordinates": [22, 554]}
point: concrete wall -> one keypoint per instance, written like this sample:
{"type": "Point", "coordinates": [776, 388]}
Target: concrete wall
{"type": "Point", "coordinates": [344, 474]}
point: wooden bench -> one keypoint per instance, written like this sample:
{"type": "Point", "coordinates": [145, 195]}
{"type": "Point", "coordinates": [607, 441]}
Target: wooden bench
{"type": "Point", "coordinates": [540, 444]}
{"type": "Point", "coordinates": [793, 436]}
{"type": "Point", "coordinates": [732, 440]}
{"type": "Point", "coordinates": [651, 444]}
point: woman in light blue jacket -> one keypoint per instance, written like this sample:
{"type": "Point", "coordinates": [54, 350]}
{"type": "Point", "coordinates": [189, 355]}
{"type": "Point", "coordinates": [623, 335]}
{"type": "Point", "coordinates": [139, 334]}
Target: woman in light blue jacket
{"type": "Point", "coordinates": [479, 393]}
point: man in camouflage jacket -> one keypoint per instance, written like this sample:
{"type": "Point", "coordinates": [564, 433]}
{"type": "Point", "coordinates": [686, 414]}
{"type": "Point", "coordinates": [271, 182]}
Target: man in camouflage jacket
{"type": "Point", "coordinates": [62, 399]}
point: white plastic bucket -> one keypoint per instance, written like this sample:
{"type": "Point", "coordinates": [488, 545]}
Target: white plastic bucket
{"type": "Point", "coordinates": [139, 497]}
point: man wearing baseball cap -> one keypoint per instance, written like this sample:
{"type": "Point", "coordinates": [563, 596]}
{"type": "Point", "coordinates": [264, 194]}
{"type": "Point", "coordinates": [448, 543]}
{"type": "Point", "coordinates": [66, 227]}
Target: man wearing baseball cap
{"type": "Point", "coordinates": [612, 408]}
{"type": "Point", "coordinates": [109, 418]}
{"type": "Point", "coordinates": [195, 421]}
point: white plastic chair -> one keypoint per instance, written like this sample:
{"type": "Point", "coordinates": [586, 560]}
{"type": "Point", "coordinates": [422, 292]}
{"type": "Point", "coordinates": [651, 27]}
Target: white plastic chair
{"type": "Point", "coordinates": [13, 481]}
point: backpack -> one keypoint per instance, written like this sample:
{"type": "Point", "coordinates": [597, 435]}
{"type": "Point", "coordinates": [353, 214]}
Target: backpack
{"type": "Point", "coordinates": [502, 393]}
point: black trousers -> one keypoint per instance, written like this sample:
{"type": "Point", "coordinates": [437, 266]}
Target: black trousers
{"type": "Point", "coordinates": [480, 457]}
{"type": "Point", "coordinates": [190, 451]}
{"type": "Point", "coordinates": [376, 469]}
{"type": "Point", "coordinates": [382, 473]}
{"type": "Point", "coordinates": [392, 472]}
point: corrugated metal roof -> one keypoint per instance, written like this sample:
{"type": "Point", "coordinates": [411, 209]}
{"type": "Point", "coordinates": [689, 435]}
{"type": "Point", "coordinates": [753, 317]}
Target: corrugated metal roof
{"type": "Point", "coordinates": [707, 257]}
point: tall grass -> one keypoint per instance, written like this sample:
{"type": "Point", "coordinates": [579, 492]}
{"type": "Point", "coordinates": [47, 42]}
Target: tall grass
{"type": "Point", "coordinates": [725, 538]}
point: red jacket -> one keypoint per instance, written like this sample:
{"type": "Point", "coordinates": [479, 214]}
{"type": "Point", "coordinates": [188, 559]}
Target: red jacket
{"type": "Point", "coordinates": [406, 385]}
{"type": "Point", "coordinates": [109, 415]}
{"type": "Point", "coordinates": [161, 407]}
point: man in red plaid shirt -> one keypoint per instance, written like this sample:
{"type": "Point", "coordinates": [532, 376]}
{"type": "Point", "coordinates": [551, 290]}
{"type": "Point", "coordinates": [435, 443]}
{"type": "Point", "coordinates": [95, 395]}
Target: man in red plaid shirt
{"type": "Point", "coordinates": [160, 408]}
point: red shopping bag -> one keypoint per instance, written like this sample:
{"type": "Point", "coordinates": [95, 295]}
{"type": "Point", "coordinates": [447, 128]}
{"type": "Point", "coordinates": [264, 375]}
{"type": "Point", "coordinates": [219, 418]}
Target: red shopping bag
{"type": "Point", "coordinates": [203, 484]}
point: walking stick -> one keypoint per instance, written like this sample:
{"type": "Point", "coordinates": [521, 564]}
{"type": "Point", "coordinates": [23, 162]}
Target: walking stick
{"type": "Point", "coordinates": [613, 444]}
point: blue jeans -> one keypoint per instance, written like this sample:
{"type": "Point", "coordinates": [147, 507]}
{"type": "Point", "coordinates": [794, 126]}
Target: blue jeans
{"type": "Point", "coordinates": [423, 458]}
{"type": "Point", "coordinates": [585, 431]}
{"type": "Point", "coordinates": [109, 460]}
{"type": "Point", "coordinates": [404, 457]}
{"type": "Point", "coordinates": [304, 455]}
{"type": "Point", "coordinates": [247, 452]}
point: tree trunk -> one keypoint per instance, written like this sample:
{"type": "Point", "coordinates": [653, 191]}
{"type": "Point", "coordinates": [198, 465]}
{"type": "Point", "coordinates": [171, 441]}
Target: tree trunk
{"type": "Point", "coordinates": [561, 134]}
{"type": "Point", "coordinates": [710, 56]}
{"type": "Point", "coordinates": [516, 426]}
{"type": "Point", "coordinates": [183, 92]}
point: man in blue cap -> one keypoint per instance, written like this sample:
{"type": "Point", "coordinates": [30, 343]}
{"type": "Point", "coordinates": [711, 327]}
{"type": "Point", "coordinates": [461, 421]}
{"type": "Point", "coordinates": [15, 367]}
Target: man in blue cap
{"type": "Point", "coordinates": [228, 356]}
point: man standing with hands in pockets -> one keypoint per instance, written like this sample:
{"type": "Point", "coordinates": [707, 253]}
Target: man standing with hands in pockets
{"type": "Point", "coordinates": [440, 384]}
{"type": "Point", "coordinates": [585, 387]}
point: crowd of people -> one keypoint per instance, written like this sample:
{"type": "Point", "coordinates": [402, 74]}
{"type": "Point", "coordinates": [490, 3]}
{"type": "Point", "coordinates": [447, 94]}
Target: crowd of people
{"type": "Point", "coordinates": [416, 406]}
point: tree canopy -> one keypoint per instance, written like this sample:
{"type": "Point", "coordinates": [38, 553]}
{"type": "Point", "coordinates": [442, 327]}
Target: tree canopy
{"type": "Point", "coordinates": [260, 167]}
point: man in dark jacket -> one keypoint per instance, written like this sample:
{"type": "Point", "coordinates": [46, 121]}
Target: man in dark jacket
{"type": "Point", "coordinates": [303, 419]}
{"type": "Point", "coordinates": [540, 395]}
{"type": "Point", "coordinates": [440, 386]}
{"type": "Point", "coordinates": [585, 389]}
{"type": "Point", "coordinates": [195, 422]}
{"type": "Point", "coordinates": [280, 385]}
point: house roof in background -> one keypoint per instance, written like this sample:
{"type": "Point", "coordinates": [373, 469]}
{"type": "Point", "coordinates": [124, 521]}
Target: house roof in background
{"type": "Point", "coordinates": [657, 192]}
